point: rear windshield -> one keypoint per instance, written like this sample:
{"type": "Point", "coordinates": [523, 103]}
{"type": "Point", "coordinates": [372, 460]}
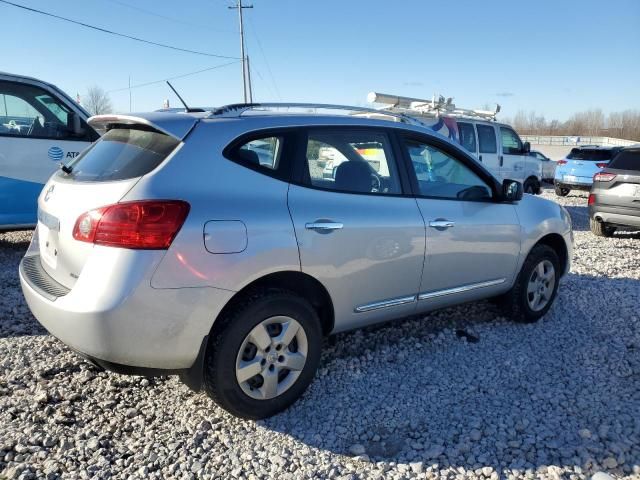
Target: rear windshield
{"type": "Point", "coordinates": [627, 160]}
{"type": "Point", "coordinates": [590, 154]}
{"type": "Point", "coordinates": [122, 153]}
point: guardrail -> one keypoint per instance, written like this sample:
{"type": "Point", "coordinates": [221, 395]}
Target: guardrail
{"type": "Point", "coordinates": [568, 141]}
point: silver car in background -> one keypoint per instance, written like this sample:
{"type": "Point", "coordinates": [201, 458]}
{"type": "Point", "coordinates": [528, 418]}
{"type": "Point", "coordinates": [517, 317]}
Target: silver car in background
{"type": "Point", "coordinates": [576, 171]}
{"type": "Point", "coordinates": [211, 245]}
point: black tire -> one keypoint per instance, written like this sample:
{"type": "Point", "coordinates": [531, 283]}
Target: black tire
{"type": "Point", "coordinates": [515, 302]}
{"type": "Point", "coordinates": [531, 186]}
{"type": "Point", "coordinates": [561, 191]}
{"type": "Point", "coordinates": [225, 341]}
{"type": "Point", "coordinates": [601, 229]}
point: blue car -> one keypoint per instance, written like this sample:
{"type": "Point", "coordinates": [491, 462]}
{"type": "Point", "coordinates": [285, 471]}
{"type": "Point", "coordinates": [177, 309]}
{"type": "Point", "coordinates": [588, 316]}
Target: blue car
{"type": "Point", "coordinates": [576, 170]}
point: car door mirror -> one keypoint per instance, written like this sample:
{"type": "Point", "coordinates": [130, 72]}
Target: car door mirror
{"type": "Point", "coordinates": [512, 191]}
{"type": "Point", "coordinates": [526, 147]}
{"type": "Point", "coordinates": [74, 126]}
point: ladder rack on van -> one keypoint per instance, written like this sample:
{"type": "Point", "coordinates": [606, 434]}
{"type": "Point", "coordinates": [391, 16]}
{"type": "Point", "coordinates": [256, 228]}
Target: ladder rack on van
{"type": "Point", "coordinates": [434, 108]}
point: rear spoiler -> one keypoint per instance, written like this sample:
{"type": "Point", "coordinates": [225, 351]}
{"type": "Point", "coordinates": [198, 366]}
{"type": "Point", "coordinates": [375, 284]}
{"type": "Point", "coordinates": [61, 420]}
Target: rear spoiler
{"type": "Point", "coordinates": [173, 124]}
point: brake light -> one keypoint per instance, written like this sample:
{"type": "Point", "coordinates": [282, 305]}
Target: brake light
{"type": "Point", "coordinates": [562, 162]}
{"type": "Point", "coordinates": [603, 177]}
{"type": "Point", "coordinates": [147, 224]}
{"type": "Point", "coordinates": [602, 164]}
{"type": "Point", "coordinates": [592, 199]}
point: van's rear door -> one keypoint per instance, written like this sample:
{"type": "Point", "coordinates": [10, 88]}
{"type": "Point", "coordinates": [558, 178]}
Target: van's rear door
{"type": "Point", "coordinates": [101, 176]}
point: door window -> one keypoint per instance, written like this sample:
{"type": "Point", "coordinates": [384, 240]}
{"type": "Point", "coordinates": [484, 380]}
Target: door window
{"type": "Point", "coordinates": [467, 136]}
{"type": "Point", "coordinates": [262, 152]}
{"type": "Point", "coordinates": [442, 176]}
{"type": "Point", "coordinates": [487, 139]}
{"type": "Point", "coordinates": [28, 111]}
{"type": "Point", "coordinates": [351, 161]}
{"type": "Point", "coordinates": [511, 143]}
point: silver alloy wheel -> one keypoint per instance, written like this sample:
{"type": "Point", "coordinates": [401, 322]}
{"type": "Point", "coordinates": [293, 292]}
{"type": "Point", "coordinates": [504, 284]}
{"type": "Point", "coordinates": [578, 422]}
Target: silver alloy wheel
{"type": "Point", "coordinates": [271, 357]}
{"type": "Point", "coordinates": [541, 285]}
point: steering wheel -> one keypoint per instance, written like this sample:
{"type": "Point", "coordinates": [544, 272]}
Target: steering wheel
{"type": "Point", "coordinates": [376, 183]}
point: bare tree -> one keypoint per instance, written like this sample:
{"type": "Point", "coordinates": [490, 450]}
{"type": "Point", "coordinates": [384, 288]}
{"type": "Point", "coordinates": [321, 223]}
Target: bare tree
{"type": "Point", "coordinates": [97, 101]}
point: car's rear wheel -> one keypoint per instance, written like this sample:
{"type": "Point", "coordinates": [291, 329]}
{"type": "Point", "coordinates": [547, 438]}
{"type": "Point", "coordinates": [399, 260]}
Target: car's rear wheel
{"type": "Point", "coordinates": [561, 191]}
{"type": "Point", "coordinates": [263, 354]}
{"type": "Point", "coordinates": [601, 229]}
{"type": "Point", "coordinates": [535, 288]}
{"type": "Point", "coordinates": [531, 186]}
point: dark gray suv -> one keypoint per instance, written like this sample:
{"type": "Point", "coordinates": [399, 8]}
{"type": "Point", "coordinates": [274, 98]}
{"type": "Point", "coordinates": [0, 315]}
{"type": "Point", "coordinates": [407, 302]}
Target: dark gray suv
{"type": "Point", "coordinates": [614, 201]}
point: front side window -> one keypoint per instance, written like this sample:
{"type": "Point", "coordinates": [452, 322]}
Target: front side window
{"type": "Point", "coordinates": [442, 176]}
{"type": "Point", "coordinates": [28, 111]}
{"type": "Point", "coordinates": [467, 136]}
{"type": "Point", "coordinates": [351, 161]}
{"type": "Point", "coordinates": [511, 143]}
{"type": "Point", "coordinates": [487, 139]}
{"type": "Point", "coordinates": [626, 160]}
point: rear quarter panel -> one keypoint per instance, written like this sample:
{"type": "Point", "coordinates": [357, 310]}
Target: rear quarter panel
{"type": "Point", "coordinates": [218, 189]}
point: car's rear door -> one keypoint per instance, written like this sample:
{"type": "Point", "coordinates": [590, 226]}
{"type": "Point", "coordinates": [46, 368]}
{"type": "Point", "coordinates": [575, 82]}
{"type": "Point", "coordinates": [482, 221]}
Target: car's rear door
{"type": "Point", "coordinates": [357, 233]}
{"type": "Point", "coordinates": [513, 159]}
{"type": "Point", "coordinates": [473, 241]}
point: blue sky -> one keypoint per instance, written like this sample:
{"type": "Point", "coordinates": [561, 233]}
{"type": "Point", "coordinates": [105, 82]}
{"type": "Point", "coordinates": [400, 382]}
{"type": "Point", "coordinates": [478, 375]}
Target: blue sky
{"type": "Point", "coordinates": [554, 57]}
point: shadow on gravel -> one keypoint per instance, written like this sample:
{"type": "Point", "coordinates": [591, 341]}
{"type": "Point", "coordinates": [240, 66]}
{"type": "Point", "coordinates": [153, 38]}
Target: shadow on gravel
{"type": "Point", "coordinates": [564, 391]}
{"type": "Point", "coordinates": [579, 217]}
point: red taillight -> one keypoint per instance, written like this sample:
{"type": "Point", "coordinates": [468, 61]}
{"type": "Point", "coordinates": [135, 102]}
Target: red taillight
{"type": "Point", "coordinates": [602, 164]}
{"type": "Point", "coordinates": [592, 199]}
{"type": "Point", "coordinates": [562, 162]}
{"type": "Point", "coordinates": [603, 177]}
{"type": "Point", "coordinates": [148, 224]}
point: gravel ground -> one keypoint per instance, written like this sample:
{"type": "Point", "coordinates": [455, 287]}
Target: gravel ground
{"type": "Point", "coordinates": [414, 399]}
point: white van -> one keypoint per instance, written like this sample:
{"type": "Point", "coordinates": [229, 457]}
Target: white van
{"type": "Point", "coordinates": [40, 127]}
{"type": "Point", "coordinates": [496, 145]}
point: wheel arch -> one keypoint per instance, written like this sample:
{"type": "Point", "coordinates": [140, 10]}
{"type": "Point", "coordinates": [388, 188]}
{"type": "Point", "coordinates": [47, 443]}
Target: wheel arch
{"type": "Point", "coordinates": [557, 243]}
{"type": "Point", "coordinates": [297, 282]}
{"type": "Point", "coordinates": [535, 181]}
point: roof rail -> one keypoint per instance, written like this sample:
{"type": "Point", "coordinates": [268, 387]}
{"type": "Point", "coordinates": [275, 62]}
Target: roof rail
{"type": "Point", "coordinates": [238, 109]}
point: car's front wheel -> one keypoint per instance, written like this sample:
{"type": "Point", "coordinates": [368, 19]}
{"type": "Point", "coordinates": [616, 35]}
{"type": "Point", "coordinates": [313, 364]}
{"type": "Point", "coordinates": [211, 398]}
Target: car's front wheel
{"type": "Point", "coordinates": [263, 354]}
{"type": "Point", "coordinates": [535, 288]}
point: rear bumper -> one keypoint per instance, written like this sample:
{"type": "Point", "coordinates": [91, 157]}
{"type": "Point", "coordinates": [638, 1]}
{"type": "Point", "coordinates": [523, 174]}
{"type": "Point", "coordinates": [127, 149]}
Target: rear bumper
{"type": "Point", "coordinates": [113, 315]}
{"type": "Point", "coordinates": [615, 215]}
{"type": "Point", "coordinates": [573, 185]}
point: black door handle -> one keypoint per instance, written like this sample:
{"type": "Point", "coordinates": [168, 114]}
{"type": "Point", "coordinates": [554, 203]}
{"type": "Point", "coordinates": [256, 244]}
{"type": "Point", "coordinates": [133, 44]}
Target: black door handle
{"type": "Point", "coordinates": [501, 160]}
{"type": "Point", "coordinates": [480, 157]}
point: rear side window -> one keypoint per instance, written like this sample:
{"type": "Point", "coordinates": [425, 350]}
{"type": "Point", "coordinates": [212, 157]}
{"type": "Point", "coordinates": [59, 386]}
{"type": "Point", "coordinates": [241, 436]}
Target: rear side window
{"type": "Point", "coordinates": [467, 136]}
{"type": "Point", "coordinates": [262, 152]}
{"type": "Point", "coordinates": [122, 153]}
{"type": "Point", "coordinates": [487, 139]}
{"type": "Point", "coordinates": [590, 154]}
{"type": "Point", "coordinates": [626, 160]}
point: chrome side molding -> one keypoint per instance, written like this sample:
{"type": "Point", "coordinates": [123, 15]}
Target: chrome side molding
{"type": "Point", "coordinates": [394, 302]}
{"type": "Point", "coordinates": [462, 289]}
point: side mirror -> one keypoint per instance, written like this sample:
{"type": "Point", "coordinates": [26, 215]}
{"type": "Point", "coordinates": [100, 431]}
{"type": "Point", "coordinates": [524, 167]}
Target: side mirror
{"type": "Point", "coordinates": [526, 147]}
{"type": "Point", "coordinates": [74, 126]}
{"type": "Point", "coordinates": [512, 191]}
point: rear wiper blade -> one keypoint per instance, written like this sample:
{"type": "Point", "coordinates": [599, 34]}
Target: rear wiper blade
{"type": "Point", "coordinates": [66, 168]}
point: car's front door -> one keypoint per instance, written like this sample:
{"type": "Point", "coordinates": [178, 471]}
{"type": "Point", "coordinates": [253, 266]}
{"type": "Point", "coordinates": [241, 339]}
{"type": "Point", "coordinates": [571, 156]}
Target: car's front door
{"type": "Point", "coordinates": [35, 136]}
{"type": "Point", "coordinates": [513, 158]}
{"type": "Point", "coordinates": [473, 241]}
{"type": "Point", "coordinates": [357, 234]}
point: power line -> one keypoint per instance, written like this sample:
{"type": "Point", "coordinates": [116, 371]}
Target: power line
{"type": "Point", "coordinates": [165, 17]}
{"type": "Point", "coordinates": [104, 30]}
{"type": "Point", "coordinates": [273, 80]}
{"type": "Point", "coordinates": [173, 78]}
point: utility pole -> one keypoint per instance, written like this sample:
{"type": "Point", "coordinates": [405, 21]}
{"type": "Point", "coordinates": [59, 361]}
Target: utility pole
{"type": "Point", "coordinates": [245, 75]}
{"type": "Point", "coordinates": [249, 80]}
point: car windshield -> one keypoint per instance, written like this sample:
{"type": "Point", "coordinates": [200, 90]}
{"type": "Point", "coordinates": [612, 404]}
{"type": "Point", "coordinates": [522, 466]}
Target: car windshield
{"type": "Point", "coordinates": [627, 160]}
{"type": "Point", "coordinates": [590, 154]}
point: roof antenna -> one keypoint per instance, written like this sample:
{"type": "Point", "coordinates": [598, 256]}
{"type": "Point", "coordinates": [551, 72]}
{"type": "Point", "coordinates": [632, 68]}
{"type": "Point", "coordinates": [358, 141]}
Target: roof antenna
{"type": "Point", "coordinates": [186, 107]}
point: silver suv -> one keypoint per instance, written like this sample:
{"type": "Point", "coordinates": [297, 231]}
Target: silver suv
{"type": "Point", "coordinates": [211, 245]}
